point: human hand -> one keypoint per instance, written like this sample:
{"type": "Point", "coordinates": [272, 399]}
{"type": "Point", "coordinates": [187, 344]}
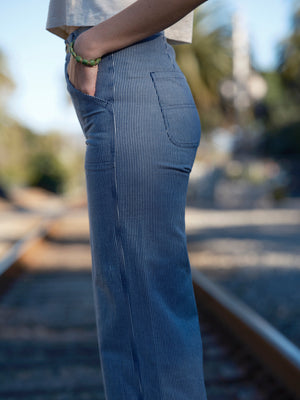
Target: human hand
{"type": "Point", "coordinates": [81, 76]}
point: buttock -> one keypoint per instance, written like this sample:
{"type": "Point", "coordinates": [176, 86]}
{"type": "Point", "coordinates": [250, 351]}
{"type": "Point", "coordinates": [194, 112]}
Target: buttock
{"type": "Point", "coordinates": [143, 101]}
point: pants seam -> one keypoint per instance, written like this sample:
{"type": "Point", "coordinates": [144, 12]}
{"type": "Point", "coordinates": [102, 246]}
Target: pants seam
{"type": "Point", "coordinates": [119, 245]}
{"type": "Point", "coordinates": [125, 287]}
{"type": "Point", "coordinates": [167, 51]}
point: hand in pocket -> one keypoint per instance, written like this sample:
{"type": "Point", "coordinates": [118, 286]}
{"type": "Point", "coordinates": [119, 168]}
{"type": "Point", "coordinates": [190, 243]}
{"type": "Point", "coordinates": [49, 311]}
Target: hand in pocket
{"type": "Point", "coordinates": [82, 77]}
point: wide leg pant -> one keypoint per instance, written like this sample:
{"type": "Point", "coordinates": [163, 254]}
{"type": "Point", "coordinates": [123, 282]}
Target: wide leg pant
{"type": "Point", "coordinates": [141, 132]}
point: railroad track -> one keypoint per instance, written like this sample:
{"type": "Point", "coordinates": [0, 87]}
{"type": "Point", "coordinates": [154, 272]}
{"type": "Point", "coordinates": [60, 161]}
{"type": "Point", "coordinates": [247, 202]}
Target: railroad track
{"type": "Point", "coordinates": [48, 341]}
{"type": "Point", "coordinates": [252, 359]}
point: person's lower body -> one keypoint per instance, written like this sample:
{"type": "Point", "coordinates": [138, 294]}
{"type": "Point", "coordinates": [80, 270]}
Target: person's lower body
{"type": "Point", "coordinates": [142, 131]}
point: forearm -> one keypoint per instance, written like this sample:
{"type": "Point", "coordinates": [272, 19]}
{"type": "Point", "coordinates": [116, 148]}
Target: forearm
{"type": "Point", "coordinates": [136, 22]}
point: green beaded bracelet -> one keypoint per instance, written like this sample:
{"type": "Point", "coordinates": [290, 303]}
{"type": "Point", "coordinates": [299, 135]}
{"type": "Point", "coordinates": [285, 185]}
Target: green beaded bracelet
{"type": "Point", "coordinates": [84, 61]}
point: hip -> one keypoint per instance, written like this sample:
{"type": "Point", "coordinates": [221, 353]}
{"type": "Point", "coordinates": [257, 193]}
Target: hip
{"type": "Point", "coordinates": [142, 79]}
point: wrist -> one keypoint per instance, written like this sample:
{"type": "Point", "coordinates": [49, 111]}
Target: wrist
{"type": "Point", "coordinates": [87, 46]}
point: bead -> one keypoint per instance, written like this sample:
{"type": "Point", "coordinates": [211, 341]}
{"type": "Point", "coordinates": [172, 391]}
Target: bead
{"type": "Point", "coordinates": [84, 61]}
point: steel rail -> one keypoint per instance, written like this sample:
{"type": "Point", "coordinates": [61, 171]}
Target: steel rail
{"type": "Point", "coordinates": [279, 355]}
{"type": "Point", "coordinates": [10, 263]}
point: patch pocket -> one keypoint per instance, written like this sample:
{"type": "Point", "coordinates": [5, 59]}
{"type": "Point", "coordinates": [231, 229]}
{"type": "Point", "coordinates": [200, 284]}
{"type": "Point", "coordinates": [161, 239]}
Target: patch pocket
{"type": "Point", "coordinates": [179, 112]}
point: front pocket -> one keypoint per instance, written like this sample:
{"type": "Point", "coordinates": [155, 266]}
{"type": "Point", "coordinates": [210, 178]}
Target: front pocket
{"type": "Point", "coordinates": [179, 112]}
{"type": "Point", "coordinates": [98, 126]}
{"type": "Point", "coordinates": [76, 92]}
{"type": "Point", "coordinates": [97, 122]}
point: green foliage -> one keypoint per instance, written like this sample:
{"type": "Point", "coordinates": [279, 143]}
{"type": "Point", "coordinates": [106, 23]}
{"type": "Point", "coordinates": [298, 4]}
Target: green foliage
{"type": "Point", "coordinates": [205, 63]}
{"type": "Point", "coordinates": [282, 136]}
{"type": "Point", "coordinates": [51, 160]}
{"type": "Point", "coordinates": [7, 85]}
{"type": "Point", "coordinates": [46, 171]}
{"type": "Point", "coordinates": [208, 61]}
{"type": "Point", "coordinates": [283, 141]}
{"type": "Point", "coordinates": [289, 58]}
{"type": "Point", "coordinates": [17, 143]}
{"type": "Point", "coordinates": [27, 158]}
{"type": "Point", "coordinates": [282, 107]}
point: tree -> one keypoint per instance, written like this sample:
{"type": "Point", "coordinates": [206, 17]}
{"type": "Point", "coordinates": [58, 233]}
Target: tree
{"type": "Point", "coordinates": [46, 171]}
{"type": "Point", "coordinates": [7, 85]}
{"type": "Point", "coordinates": [289, 58]}
{"type": "Point", "coordinates": [205, 62]}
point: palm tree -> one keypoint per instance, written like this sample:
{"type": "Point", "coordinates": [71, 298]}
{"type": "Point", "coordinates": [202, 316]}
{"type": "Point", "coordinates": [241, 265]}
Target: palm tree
{"type": "Point", "coordinates": [205, 63]}
{"type": "Point", "coordinates": [289, 58]}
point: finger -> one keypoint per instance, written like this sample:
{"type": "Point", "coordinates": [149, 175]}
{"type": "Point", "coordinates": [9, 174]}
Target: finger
{"type": "Point", "coordinates": [85, 79]}
{"type": "Point", "coordinates": [69, 71]}
{"type": "Point", "coordinates": [82, 77]}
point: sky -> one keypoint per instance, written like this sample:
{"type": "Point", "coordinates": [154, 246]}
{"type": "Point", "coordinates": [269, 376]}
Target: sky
{"type": "Point", "coordinates": [35, 57]}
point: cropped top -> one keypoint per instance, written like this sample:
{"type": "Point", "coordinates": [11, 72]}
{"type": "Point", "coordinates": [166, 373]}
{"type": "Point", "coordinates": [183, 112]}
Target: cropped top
{"type": "Point", "coordinates": [64, 16]}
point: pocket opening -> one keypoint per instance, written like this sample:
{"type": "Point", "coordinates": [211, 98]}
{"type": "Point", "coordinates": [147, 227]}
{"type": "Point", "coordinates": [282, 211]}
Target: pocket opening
{"type": "Point", "coordinates": [72, 89]}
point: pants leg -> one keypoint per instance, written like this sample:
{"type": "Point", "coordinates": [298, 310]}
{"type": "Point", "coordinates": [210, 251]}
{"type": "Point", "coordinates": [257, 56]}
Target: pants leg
{"type": "Point", "coordinates": [142, 131]}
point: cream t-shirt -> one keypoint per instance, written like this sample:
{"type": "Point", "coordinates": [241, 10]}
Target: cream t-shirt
{"type": "Point", "coordinates": [66, 15]}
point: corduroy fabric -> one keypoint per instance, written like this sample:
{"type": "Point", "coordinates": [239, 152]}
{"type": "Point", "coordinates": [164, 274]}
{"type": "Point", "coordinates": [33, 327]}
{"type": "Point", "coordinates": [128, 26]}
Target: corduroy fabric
{"type": "Point", "coordinates": [141, 132]}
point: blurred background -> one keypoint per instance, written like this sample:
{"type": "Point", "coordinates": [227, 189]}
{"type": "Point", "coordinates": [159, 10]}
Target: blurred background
{"type": "Point", "coordinates": [243, 201]}
{"type": "Point", "coordinates": [243, 70]}
{"type": "Point", "coordinates": [242, 67]}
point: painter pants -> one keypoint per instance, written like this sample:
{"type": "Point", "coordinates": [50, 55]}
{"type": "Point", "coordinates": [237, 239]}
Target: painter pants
{"type": "Point", "coordinates": [141, 132]}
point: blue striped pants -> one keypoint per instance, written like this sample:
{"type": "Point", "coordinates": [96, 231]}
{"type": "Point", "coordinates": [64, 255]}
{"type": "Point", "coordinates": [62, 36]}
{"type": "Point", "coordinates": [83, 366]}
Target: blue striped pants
{"type": "Point", "coordinates": [141, 132]}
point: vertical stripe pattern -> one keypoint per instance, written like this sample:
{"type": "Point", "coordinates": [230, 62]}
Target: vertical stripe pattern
{"type": "Point", "coordinates": [141, 132]}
